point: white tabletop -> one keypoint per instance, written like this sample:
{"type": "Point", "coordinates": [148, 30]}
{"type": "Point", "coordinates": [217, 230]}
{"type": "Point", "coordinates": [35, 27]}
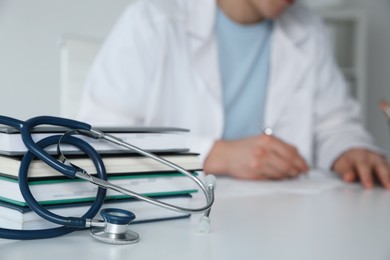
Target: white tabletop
{"type": "Point", "coordinates": [309, 218]}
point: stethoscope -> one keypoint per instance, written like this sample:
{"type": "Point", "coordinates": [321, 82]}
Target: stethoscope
{"type": "Point", "coordinates": [114, 228]}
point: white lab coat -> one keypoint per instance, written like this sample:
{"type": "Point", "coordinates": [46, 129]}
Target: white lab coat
{"type": "Point", "coordinates": [159, 67]}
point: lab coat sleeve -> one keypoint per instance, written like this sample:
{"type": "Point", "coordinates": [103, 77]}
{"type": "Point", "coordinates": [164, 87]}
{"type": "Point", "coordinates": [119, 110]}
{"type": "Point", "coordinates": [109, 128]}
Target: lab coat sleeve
{"type": "Point", "coordinates": [115, 86]}
{"type": "Point", "coordinates": [338, 125]}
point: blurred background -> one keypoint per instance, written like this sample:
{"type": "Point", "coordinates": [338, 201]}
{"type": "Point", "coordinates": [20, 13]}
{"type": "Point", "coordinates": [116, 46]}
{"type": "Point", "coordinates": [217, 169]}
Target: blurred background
{"type": "Point", "coordinates": [46, 47]}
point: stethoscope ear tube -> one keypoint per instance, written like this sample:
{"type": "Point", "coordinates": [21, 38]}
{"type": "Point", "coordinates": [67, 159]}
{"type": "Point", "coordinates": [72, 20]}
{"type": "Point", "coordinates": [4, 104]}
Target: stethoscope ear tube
{"type": "Point", "coordinates": [15, 234]}
{"type": "Point", "coordinates": [207, 189]}
{"type": "Point", "coordinates": [56, 121]}
{"type": "Point", "coordinates": [9, 121]}
{"type": "Point", "coordinates": [71, 223]}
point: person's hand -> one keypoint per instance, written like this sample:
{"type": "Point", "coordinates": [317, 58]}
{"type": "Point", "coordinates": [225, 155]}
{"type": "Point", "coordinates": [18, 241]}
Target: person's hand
{"type": "Point", "coordinates": [365, 166]}
{"type": "Point", "coordinates": [259, 157]}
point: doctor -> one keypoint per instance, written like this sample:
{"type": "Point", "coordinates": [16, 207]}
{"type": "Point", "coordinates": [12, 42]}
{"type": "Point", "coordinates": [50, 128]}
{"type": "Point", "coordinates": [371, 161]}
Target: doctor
{"type": "Point", "coordinates": [226, 69]}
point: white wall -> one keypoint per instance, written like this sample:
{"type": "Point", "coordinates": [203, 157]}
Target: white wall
{"type": "Point", "coordinates": [378, 66]}
{"type": "Point", "coordinates": [29, 53]}
{"type": "Point", "coordinates": [377, 63]}
{"type": "Point", "coordinates": [30, 32]}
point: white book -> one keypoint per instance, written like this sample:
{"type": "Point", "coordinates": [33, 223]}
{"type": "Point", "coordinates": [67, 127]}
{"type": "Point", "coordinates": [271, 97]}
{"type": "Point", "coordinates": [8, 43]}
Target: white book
{"type": "Point", "coordinates": [114, 164]}
{"type": "Point", "coordinates": [61, 191]}
{"type": "Point", "coordinates": [156, 139]}
{"type": "Point", "coordinates": [16, 217]}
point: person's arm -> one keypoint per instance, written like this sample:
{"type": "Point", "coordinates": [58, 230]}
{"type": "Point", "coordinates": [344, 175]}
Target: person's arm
{"type": "Point", "coordinates": [342, 143]}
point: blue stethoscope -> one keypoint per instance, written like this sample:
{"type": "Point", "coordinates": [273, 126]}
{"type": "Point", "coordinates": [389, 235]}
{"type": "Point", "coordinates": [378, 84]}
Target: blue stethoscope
{"type": "Point", "coordinates": [114, 226]}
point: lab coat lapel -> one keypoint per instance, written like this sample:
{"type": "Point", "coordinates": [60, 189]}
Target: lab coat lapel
{"type": "Point", "coordinates": [202, 47]}
{"type": "Point", "coordinates": [288, 67]}
{"type": "Point", "coordinates": [288, 62]}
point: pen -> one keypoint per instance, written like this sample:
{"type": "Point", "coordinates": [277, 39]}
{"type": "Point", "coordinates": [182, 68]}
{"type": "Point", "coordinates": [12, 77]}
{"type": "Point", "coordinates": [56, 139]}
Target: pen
{"type": "Point", "coordinates": [385, 107]}
{"type": "Point", "coordinates": [266, 130]}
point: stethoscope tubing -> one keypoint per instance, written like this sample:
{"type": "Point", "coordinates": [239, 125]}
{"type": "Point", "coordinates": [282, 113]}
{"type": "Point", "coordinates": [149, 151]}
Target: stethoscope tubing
{"type": "Point", "coordinates": [79, 222]}
{"type": "Point", "coordinates": [57, 231]}
{"type": "Point", "coordinates": [26, 129]}
{"type": "Point", "coordinates": [108, 185]}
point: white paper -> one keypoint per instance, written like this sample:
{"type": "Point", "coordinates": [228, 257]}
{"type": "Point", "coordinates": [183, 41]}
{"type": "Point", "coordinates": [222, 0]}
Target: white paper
{"type": "Point", "coordinates": [314, 182]}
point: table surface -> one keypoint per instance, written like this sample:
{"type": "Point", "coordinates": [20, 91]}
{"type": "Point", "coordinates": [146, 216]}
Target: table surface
{"type": "Point", "coordinates": [314, 217]}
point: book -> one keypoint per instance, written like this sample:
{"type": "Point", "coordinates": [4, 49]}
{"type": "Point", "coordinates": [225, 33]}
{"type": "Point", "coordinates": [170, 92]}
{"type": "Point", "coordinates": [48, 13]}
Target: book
{"type": "Point", "coordinates": [62, 191]}
{"type": "Point", "coordinates": [125, 168]}
{"type": "Point", "coordinates": [22, 217]}
{"type": "Point", "coordinates": [114, 163]}
{"type": "Point", "coordinates": [154, 139]}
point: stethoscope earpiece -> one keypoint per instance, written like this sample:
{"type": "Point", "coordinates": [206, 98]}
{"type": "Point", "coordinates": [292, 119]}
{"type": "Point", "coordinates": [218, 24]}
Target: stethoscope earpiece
{"type": "Point", "coordinates": [115, 227]}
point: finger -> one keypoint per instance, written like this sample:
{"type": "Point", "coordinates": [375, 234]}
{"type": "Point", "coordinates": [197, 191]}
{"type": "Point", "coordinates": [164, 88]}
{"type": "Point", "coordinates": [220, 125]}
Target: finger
{"type": "Point", "coordinates": [298, 161]}
{"type": "Point", "coordinates": [281, 168]}
{"type": "Point", "coordinates": [301, 163]}
{"type": "Point", "coordinates": [364, 172]}
{"type": "Point", "coordinates": [382, 171]}
{"type": "Point", "coordinates": [345, 169]}
{"type": "Point", "coordinates": [286, 152]}
{"type": "Point", "coordinates": [271, 166]}
{"type": "Point", "coordinates": [272, 174]}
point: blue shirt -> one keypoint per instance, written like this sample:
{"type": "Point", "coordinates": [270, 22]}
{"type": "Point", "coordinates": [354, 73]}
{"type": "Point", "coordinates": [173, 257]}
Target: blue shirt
{"type": "Point", "coordinates": [244, 53]}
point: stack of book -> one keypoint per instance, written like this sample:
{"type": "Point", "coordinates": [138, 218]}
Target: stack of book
{"type": "Point", "coordinates": [72, 197]}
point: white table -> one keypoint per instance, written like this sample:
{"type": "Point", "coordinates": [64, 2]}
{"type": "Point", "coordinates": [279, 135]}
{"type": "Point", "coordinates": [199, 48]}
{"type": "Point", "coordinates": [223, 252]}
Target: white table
{"type": "Point", "coordinates": [250, 220]}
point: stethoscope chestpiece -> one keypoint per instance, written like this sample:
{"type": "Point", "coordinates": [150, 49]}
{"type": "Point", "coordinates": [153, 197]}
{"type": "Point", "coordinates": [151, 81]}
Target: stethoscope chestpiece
{"type": "Point", "coordinates": [115, 228]}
